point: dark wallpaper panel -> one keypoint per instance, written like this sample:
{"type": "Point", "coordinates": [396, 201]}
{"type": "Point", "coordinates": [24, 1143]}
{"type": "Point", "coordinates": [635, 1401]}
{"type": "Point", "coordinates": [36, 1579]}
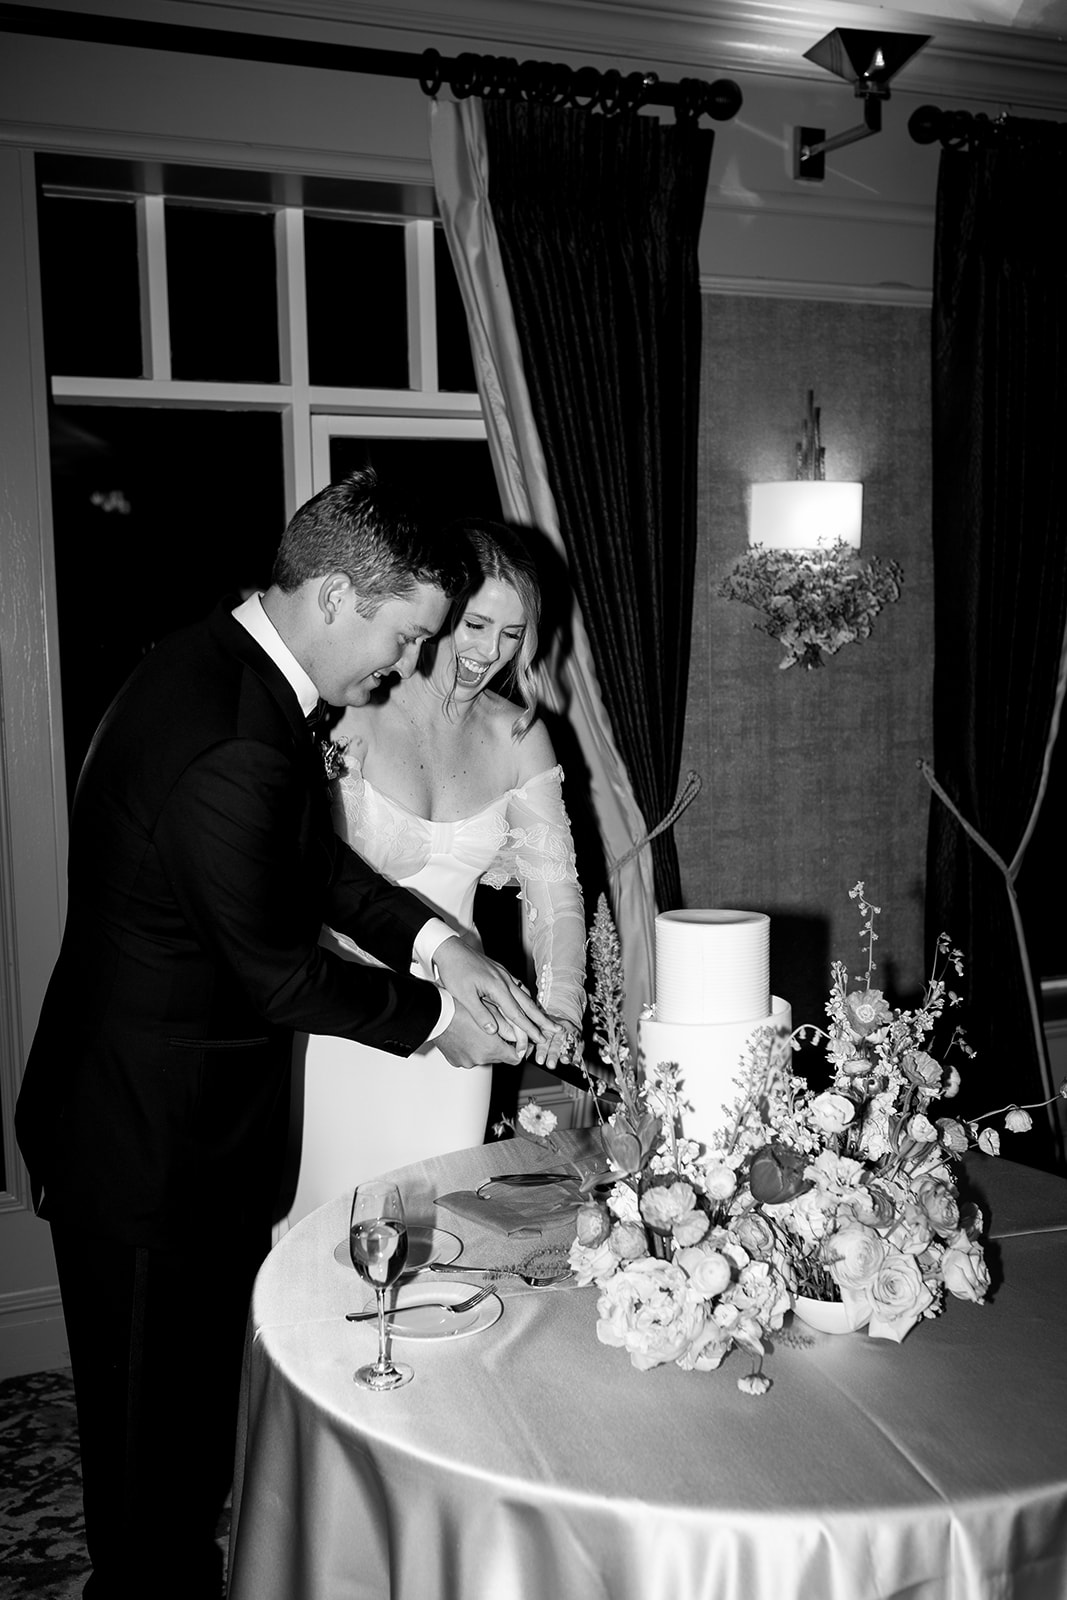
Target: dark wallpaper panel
{"type": "Point", "coordinates": [810, 778]}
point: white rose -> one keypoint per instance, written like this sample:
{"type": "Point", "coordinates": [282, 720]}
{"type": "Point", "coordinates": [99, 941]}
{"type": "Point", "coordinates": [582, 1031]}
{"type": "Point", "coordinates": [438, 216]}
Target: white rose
{"type": "Point", "coordinates": [964, 1269]}
{"type": "Point", "coordinates": [856, 1256]}
{"type": "Point", "coordinates": [899, 1296]}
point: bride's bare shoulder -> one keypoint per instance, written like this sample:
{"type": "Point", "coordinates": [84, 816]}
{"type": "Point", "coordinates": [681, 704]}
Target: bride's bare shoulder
{"type": "Point", "coordinates": [357, 729]}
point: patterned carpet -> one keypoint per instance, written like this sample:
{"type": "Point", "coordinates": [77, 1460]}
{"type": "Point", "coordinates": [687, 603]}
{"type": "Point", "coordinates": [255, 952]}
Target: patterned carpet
{"type": "Point", "coordinates": [42, 1548]}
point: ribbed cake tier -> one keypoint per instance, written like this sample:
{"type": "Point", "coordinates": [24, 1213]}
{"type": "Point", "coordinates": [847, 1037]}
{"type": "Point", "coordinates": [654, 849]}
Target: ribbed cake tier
{"type": "Point", "coordinates": [710, 1056]}
{"type": "Point", "coordinates": [712, 966]}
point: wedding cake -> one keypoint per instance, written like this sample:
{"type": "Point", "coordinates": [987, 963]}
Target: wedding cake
{"type": "Point", "coordinates": [712, 995]}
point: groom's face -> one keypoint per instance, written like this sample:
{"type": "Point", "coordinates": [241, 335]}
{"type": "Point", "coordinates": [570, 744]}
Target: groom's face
{"type": "Point", "coordinates": [362, 650]}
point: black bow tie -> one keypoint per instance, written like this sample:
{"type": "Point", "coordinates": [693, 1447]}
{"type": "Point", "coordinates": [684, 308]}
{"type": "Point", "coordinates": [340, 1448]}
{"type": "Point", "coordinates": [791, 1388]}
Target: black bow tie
{"type": "Point", "coordinates": [318, 721]}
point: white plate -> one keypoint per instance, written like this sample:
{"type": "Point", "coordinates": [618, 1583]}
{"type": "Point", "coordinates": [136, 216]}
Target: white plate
{"type": "Point", "coordinates": [427, 1324]}
{"type": "Point", "coordinates": [424, 1245]}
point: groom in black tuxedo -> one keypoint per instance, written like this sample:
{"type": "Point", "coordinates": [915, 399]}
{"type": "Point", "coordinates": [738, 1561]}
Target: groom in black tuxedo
{"type": "Point", "coordinates": [202, 866]}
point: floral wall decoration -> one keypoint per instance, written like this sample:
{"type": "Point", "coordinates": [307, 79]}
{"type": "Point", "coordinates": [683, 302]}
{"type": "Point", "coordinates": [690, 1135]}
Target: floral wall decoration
{"type": "Point", "coordinates": [819, 597]}
{"type": "Point", "coordinates": [813, 601]}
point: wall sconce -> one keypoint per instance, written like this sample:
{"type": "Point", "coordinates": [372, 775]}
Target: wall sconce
{"type": "Point", "coordinates": [868, 59]}
{"type": "Point", "coordinates": [803, 574]}
{"type": "Point", "coordinates": [806, 513]}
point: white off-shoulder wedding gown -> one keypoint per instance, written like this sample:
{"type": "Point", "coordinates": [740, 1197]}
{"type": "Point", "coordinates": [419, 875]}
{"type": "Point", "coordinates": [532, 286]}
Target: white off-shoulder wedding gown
{"type": "Point", "coordinates": [365, 1111]}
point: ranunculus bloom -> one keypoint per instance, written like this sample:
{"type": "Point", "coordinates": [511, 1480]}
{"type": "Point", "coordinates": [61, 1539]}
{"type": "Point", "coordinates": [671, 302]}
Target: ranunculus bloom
{"type": "Point", "coordinates": [719, 1181]}
{"type": "Point", "coordinates": [628, 1241]}
{"type": "Point", "coordinates": [939, 1202]}
{"type": "Point", "coordinates": [867, 1012]}
{"type": "Point", "coordinates": [648, 1310]}
{"type": "Point", "coordinates": [690, 1229]}
{"type": "Point", "coordinates": [776, 1174]}
{"type": "Point", "coordinates": [664, 1204]}
{"type": "Point", "coordinates": [899, 1297]}
{"type": "Point", "coordinates": [1018, 1120]}
{"type": "Point", "coordinates": [755, 1233]}
{"type": "Point", "coordinates": [964, 1269]}
{"type": "Point", "coordinates": [832, 1112]}
{"type": "Point", "coordinates": [592, 1225]}
{"type": "Point", "coordinates": [922, 1130]}
{"type": "Point", "coordinates": [855, 1256]}
{"type": "Point", "coordinates": [707, 1270]}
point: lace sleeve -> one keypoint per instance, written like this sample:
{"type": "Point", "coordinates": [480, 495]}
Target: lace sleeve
{"type": "Point", "coordinates": [539, 857]}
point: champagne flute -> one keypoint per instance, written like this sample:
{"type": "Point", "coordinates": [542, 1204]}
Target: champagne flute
{"type": "Point", "coordinates": [378, 1244]}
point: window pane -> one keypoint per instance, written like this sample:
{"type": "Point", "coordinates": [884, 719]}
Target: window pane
{"type": "Point", "coordinates": [356, 303]}
{"type": "Point", "coordinates": [455, 366]}
{"type": "Point", "coordinates": [158, 514]}
{"type": "Point", "coordinates": [90, 287]}
{"type": "Point", "coordinates": [454, 476]}
{"type": "Point", "coordinates": [222, 288]}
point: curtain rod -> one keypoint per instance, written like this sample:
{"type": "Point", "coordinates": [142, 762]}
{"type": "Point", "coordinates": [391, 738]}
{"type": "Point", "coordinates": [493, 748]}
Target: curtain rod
{"type": "Point", "coordinates": [466, 74]}
{"type": "Point", "coordinates": [974, 130]}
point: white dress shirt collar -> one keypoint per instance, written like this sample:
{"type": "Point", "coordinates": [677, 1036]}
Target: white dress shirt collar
{"type": "Point", "coordinates": [252, 617]}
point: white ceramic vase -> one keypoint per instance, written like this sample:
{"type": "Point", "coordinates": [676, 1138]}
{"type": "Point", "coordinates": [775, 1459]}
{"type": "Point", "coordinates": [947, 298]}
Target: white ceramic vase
{"type": "Point", "coordinates": [830, 1316]}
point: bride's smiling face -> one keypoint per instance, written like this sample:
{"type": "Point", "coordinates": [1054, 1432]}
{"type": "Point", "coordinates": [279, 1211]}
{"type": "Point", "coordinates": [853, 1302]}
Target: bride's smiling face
{"type": "Point", "coordinates": [486, 638]}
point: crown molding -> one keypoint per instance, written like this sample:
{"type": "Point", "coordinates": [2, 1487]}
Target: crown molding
{"type": "Point", "coordinates": [966, 60]}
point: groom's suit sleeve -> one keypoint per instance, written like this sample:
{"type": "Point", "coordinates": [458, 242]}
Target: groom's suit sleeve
{"type": "Point", "coordinates": [256, 869]}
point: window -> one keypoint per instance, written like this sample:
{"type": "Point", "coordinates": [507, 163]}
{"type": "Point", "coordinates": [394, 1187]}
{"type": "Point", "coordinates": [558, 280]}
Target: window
{"type": "Point", "coordinates": [219, 346]}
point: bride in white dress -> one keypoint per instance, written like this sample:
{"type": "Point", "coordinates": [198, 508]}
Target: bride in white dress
{"type": "Point", "coordinates": [448, 784]}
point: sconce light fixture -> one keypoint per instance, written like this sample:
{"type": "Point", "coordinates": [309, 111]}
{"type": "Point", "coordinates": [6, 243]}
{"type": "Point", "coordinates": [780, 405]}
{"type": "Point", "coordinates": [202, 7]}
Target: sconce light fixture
{"type": "Point", "coordinates": [803, 573]}
{"type": "Point", "coordinates": [868, 59]}
{"type": "Point", "coordinates": [806, 513]}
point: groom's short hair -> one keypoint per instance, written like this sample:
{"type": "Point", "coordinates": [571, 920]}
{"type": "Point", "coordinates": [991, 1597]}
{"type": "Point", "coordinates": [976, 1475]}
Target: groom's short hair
{"type": "Point", "coordinates": [365, 528]}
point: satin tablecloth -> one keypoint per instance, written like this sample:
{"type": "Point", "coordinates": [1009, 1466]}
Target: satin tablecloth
{"type": "Point", "coordinates": [530, 1462]}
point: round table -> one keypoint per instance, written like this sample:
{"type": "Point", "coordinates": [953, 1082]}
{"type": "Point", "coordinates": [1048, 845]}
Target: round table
{"type": "Point", "coordinates": [530, 1462]}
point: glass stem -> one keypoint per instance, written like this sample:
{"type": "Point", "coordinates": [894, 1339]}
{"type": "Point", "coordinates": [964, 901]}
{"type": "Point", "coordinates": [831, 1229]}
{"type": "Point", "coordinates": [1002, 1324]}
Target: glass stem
{"type": "Point", "coordinates": [383, 1365]}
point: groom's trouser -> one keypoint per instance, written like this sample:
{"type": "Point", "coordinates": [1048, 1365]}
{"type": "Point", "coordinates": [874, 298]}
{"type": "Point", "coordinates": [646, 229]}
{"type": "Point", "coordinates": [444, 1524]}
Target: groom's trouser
{"type": "Point", "coordinates": [156, 1340]}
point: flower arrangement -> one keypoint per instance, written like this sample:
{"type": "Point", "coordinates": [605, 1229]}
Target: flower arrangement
{"type": "Point", "coordinates": [813, 601]}
{"type": "Point", "coordinates": [845, 1192]}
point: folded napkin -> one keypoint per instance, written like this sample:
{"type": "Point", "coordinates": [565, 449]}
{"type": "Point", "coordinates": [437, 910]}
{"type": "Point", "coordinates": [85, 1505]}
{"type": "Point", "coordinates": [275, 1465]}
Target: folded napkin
{"type": "Point", "coordinates": [517, 1210]}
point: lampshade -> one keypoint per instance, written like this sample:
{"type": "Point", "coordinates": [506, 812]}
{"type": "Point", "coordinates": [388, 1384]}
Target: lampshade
{"type": "Point", "coordinates": [802, 514]}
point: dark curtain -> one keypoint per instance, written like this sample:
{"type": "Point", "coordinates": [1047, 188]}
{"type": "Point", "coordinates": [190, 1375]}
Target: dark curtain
{"type": "Point", "coordinates": [598, 220]}
{"type": "Point", "coordinates": [1000, 572]}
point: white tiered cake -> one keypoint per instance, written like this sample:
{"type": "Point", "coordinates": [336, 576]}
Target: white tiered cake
{"type": "Point", "coordinates": [712, 994]}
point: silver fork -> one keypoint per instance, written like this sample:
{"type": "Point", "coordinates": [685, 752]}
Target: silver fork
{"type": "Point", "coordinates": [424, 1305]}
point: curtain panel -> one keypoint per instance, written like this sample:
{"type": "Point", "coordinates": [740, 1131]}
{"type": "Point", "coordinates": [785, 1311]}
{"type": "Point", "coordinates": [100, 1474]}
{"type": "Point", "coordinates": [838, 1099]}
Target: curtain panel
{"type": "Point", "coordinates": [1000, 575]}
{"type": "Point", "coordinates": [598, 790]}
{"type": "Point", "coordinates": [598, 220]}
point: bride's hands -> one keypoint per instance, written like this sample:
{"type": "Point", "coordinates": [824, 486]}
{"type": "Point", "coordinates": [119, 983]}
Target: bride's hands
{"type": "Point", "coordinates": [496, 1000]}
{"type": "Point", "coordinates": [564, 1045]}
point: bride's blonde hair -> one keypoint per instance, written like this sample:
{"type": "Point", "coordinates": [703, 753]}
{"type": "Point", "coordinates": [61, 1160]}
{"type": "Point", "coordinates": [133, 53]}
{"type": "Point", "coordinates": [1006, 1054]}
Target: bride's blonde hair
{"type": "Point", "coordinates": [496, 552]}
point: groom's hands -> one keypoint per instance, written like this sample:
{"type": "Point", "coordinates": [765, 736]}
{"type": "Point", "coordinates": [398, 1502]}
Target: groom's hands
{"type": "Point", "coordinates": [509, 1019]}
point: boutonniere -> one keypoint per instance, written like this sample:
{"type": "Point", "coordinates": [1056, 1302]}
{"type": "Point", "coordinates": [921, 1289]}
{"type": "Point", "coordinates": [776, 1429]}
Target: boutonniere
{"type": "Point", "coordinates": [333, 757]}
